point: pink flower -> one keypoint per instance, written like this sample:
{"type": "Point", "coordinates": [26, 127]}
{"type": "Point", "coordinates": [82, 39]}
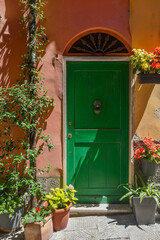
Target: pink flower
{"type": "Point", "coordinates": [71, 187]}
{"type": "Point", "coordinates": [147, 141]}
{"type": "Point", "coordinates": [155, 155]}
{"type": "Point", "coordinates": [153, 147]}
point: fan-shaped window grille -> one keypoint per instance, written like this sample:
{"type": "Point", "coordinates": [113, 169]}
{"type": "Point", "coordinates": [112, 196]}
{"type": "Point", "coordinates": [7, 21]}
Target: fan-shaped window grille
{"type": "Point", "coordinates": [98, 43]}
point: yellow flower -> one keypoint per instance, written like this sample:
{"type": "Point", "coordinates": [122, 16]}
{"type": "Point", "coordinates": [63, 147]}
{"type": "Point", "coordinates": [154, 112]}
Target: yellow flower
{"type": "Point", "coordinates": [145, 66]}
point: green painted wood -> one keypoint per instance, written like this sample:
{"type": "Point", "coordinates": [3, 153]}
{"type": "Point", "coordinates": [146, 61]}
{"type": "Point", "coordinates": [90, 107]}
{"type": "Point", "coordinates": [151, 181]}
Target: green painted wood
{"type": "Point", "coordinates": [97, 153]}
{"type": "Point", "coordinates": [100, 135]}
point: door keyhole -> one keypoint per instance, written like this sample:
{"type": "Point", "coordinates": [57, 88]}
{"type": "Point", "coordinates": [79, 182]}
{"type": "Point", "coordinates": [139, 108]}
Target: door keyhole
{"type": "Point", "coordinates": [97, 106]}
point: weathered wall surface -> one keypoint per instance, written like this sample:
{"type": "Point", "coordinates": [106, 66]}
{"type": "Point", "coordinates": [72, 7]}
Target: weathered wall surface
{"type": "Point", "coordinates": [145, 32]}
{"type": "Point", "coordinates": [64, 19]}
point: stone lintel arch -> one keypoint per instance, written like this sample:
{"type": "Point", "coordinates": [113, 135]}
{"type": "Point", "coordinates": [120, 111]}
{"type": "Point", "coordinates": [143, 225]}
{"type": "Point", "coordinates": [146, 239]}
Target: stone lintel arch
{"type": "Point", "coordinates": [98, 41]}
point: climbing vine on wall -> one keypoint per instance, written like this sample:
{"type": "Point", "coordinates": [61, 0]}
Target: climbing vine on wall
{"type": "Point", "coordinates": [23, 109]}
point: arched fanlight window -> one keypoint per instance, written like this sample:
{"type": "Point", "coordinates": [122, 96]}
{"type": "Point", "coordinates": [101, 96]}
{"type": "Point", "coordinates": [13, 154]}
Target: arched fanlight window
{"type": "Point", "coordinates": [98, 42]}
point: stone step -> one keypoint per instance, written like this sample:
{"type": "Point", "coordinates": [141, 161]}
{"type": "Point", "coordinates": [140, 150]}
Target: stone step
{"type": "Point", "coordinates": [99, 209]}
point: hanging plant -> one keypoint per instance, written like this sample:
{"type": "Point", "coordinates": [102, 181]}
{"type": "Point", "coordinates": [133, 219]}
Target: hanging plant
{"type": "Point", "coordinates": [146, 65]}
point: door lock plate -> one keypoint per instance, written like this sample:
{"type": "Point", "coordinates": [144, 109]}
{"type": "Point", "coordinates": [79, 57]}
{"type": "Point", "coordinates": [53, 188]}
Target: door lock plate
{"type": "Point", "coordinates": [69, 135]}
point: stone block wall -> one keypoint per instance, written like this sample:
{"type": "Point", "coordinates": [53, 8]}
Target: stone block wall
{"type": "Point", "coordinates": [51, 182]}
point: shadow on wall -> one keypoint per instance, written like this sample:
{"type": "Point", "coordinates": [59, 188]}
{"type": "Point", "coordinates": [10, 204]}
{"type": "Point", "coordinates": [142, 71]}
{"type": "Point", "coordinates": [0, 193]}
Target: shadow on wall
{"type": "Point", "coordinates": [142, 96]}
{"type": "Point", "coordinates": [12, 47]}
{"type": "Point", "coordinates": [12, 44]}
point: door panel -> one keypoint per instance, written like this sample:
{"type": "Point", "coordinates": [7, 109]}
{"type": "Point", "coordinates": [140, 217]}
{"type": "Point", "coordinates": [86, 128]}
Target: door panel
{"type": "Point", "coordinates": [97, 152]}
{"type": "Point", "coordinates": [105, 92]}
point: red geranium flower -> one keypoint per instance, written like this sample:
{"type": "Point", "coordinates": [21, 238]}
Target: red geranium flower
{"type": "Point", "coordinates": [155, 60]}
{"type": "Point", "coordinates": [157, 50]}
{"type": "Point", "coordinates": [138, 152]}
{"type": "Point", "coordinates": [153, 65]}
{"type": "Point", "coordinates": [157, 66]}
{"type": "Point", "coordinates": [38, 209]}
{"type": "Point", "coordinates": [149, 150]}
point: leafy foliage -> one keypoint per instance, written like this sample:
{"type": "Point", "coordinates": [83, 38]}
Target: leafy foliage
{"type": "Point", "coordinates": [146, 62]}
{"type": "Point", "coordinates": [141, 61]}
{"type": "Point", "coordinates": [149, 190]}
{"type": "Point", "coordinates": [148, 150]}
{"type": "Point", "coordinates": [23, 106]}
{"type": "Point", "coordinates": [36, 215]}
{"type": "Point", "coordinates": [61, 198]}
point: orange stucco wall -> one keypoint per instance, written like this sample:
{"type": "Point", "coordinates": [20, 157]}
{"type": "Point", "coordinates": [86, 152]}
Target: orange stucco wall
{"type": "Point", "coordinates": [145, 32]}
{"type": "Point", "coordinates": [64, 19]}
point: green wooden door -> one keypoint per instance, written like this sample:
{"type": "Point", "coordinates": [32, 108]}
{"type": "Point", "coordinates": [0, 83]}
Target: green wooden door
{"type": "Point", "coordinates": [97, 129]}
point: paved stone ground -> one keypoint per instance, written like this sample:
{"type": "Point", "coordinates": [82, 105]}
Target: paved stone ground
{"type": "Point", "coordinates": [111, 227]}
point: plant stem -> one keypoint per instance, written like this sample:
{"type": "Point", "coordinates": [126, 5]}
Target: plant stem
{"type": "Point", "coordinates": [31, 75]}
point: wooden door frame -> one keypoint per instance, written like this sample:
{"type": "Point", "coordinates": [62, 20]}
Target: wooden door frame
{"type": "Point", "coordinates": [131, 106]}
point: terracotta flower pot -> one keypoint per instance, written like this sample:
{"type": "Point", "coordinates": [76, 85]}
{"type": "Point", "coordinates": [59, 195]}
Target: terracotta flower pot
{"type": "Point", "coordinates": [60, 218]}
{"type": "Point", "coordinates": [39, 230]}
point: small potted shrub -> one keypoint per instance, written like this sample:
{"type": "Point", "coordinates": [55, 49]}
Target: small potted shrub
{"type": "Point", "coordinates": [145, 200]}
{"type": "Point", "coordinates": [60, 203]}
{"type": "Point", "coordinates": [38, 224]}
{"type": "Point", "coordinates": [149, 154]}
{"type": "Point", "coordinates": [11, 206]}
{"type": "Point", "coordinates": [146, 65]}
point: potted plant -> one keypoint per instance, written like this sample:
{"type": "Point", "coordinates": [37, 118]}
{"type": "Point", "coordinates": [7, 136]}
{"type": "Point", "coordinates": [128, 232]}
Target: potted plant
{"type": "Point", "coordinates": [149, 155]}
{"type": "Point", "coordinates": [38, 224]}
{"type": "Point", "coordinates": [11, 203]}
{"type": "Point", "coordinates": [18, 175]}
{"type": "Point", "coordinates": [146, 65]}
{"type": "Point", "coordinates": [60, 203]}
{"type": "Point", "coordinates": [145, 199]}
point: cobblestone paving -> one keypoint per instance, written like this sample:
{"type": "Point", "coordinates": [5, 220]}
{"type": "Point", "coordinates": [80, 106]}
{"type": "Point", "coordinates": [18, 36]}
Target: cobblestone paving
{"type": "Point", "coordinates": [111, 227]}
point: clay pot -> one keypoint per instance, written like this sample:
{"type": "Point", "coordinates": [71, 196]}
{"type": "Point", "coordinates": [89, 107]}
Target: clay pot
{"type": "Point", "coordinates": [60, 218]}
{"type": "Point", "coordinates": [39, 230]}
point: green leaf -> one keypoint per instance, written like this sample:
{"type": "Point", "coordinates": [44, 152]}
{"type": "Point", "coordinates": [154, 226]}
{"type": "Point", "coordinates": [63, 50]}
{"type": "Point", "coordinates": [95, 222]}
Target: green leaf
{"type": "Point", "coordinates": [38, 218]}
